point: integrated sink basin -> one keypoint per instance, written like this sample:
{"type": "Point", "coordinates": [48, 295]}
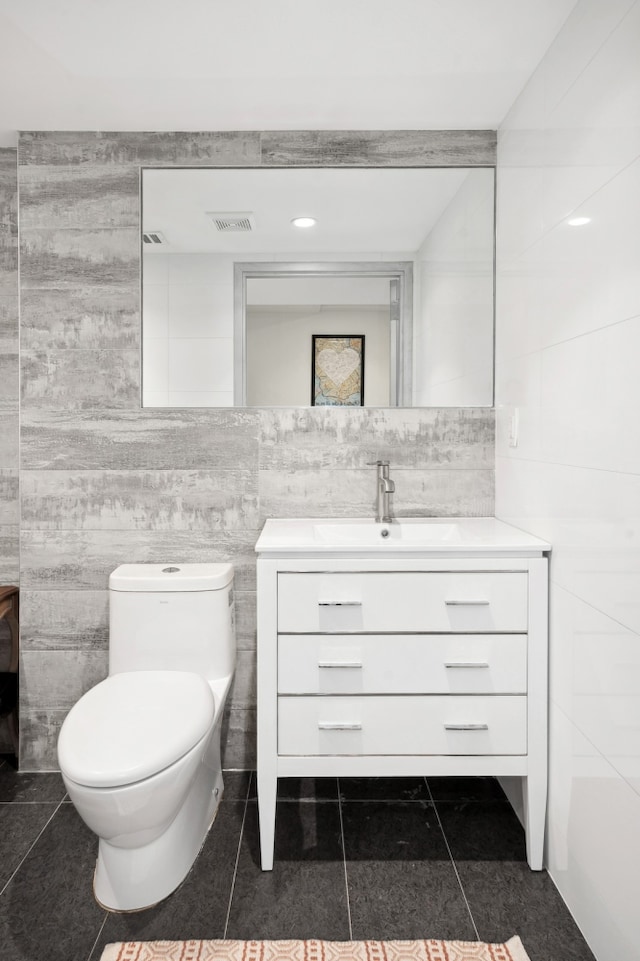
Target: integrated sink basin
{"type": "Point", "coordinates": [368, 533]}
{"type": "Point", "coordinates": [416, 535]}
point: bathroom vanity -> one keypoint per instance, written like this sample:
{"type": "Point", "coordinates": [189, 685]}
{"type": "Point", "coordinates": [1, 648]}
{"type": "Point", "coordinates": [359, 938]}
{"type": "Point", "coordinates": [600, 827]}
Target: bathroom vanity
{"type": "Point", "coordinates": [412, 648]}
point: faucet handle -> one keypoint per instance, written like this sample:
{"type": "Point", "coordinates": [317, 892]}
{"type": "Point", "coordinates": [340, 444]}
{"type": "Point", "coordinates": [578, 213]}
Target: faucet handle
{"type": "Point", "coordinates": [378, 463]}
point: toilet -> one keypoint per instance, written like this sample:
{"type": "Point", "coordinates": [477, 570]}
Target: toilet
{"type": "Point", "coordinates": [140, 752]}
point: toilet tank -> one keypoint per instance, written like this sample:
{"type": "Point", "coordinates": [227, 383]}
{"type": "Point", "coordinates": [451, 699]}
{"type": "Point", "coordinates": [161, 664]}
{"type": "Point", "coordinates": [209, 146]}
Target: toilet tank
{"type": "Point", "coordinates": [172, 617]}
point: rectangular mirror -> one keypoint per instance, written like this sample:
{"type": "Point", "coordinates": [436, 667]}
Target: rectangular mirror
{"type": "Point", "coordinates": [397, 270]}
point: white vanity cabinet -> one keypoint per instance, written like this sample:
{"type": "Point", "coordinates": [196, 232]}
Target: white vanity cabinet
{"type": "Point", "coordinates": [426, 661]}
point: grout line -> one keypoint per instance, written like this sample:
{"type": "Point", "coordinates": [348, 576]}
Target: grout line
{"type": "Point", "coordinates": [235, 867]}
{"type": "Point", "coordinates": [455, 868]}
{"type": "Point", "coordinates": [98, 936]}
{"type": "Point", "coordinates": [31, 847]}
{"type": "Point", "coordinates": [544, 462]}
{"type": "Point", "coordinates": [344, 861]}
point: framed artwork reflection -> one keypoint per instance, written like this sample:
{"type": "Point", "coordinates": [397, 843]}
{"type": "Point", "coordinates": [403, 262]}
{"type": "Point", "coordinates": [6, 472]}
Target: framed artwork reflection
{"type": "Point", "coordinates": [337, 370]}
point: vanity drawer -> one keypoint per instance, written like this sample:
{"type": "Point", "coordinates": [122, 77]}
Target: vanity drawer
{"type": "Point", "coordinates": [409, 725]}
{"type": "Point", "coordinates": [402, 664]}
{"type": "Point", "coordinates": [404, 601]}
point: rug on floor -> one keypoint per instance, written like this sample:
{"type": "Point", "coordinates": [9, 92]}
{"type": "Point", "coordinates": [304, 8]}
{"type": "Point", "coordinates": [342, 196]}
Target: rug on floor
{"type": "Point", "coordinates": [314, 951]}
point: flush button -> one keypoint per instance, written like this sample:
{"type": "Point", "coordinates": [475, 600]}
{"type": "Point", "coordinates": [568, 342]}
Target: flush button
{"type": "Point", "coordinates": [170, 570]}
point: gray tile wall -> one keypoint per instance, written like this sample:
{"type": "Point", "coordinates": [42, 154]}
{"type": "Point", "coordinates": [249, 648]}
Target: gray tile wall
{"type": "Point", "coordinates": [104, 482]}
{"type": "Point", "coordinates": [9, 394]}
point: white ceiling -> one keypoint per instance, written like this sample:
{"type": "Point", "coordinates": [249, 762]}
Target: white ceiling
{"type": "Point", "coordinates": [268, 64]}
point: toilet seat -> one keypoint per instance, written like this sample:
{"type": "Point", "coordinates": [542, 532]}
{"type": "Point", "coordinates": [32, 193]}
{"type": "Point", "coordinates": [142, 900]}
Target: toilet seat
{"type": "Point", "coordinates": [134, 725]}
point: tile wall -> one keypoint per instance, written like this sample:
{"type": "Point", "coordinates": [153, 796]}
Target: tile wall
{"type": "Point", "coordinates": [104, 482]}
{"type": "Point", "coordinates": [9, 400]}
{"type": "Point", "coordinates": [568, 342]}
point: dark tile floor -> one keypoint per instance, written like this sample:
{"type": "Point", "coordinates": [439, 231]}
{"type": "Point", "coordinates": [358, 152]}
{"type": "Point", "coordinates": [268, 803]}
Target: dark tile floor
{"type": "Point", "coordinates": [355, 859]}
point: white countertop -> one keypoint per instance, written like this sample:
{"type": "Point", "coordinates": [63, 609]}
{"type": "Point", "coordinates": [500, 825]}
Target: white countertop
{"type": "Point", "coordinates": [415, 535]}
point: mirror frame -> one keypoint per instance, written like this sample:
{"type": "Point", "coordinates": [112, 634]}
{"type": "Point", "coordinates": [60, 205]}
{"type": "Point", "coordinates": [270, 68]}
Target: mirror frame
{"type": "Point", "coordinates": [401, 341]}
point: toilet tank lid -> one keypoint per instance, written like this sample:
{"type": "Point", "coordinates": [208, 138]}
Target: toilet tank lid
{"type": "Point", "coordinates": [171, 577]}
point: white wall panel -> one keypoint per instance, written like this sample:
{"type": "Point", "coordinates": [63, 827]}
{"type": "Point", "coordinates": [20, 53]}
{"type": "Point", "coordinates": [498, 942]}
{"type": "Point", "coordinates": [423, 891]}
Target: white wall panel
{"type": "Point", "coordinates": [568, 342]}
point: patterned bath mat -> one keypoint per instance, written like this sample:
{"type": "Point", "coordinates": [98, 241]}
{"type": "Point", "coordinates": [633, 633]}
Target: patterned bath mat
{"type": "Point", "coordinates": [314, 951]}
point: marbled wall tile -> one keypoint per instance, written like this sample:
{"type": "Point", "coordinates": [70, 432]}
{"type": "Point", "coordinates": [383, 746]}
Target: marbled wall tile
{"type": "Point", "coordinates": [9, 370]}
{"type": "Point", "coordinates": [9, 509]}
{"type": "Point", "coordinates": [316, 493]}
{"type": "Point", "coordinates": [407, 148]}
{"type": "Point", "coordinates": [55, 680]}
{"type": "Point", "coordinates": [444, 493]}
{"type": "Point", "coordinates": [460, 437]}
{"type": "Point", "coordinates": [84, 196]}
{"type": "Point", "coordinates": [9, 381]}
{"type": "Point", "coordinates": [74, 257]}
{"type": "Point", "coordinates": [64, 620]}
{"type": "Point", "coordinates": [90, 317]}
{"type": "Point", "coordinates": [246, 620]}
{"type": "Point", "coordinates": [9, 438]}
{"type": "Point", "coordinates": [8, 222]}
{"type": "Point", "coordinates": [63, 148]}
{"type": "Point", "coordinates": [166, 500]}
{"type": "Point", "coordinates": [142, 439]}
{"type": "Point", "coordinates": [238, 738]}
{"type": "Point", "coordinates": [8, 263]}
{"type": "Point", "coordinates": [253, 148]}
{"type": "Point", "coordinates": [243, 687]}
{"type": "Point", "coordinates": [8, 186]}
{"type": "Point", "coordinates": [225, 148]}
{"type": "Point", "coordinates": [9, 554]}
{"type": "Point", "coordinates": [39, 730]}
{"type": "Point", "coordinates": [83, 560]}
{"type": "Point", "coordinates": [80, 379]}
{"type": "Point", "coordinates": [352, 493]}
{"type": "Point", "coordinates": [9, 496]}
{"type": "Point", "coordinates": [9, 325]}
{"type": "Point", "coordinates": [9, 526]}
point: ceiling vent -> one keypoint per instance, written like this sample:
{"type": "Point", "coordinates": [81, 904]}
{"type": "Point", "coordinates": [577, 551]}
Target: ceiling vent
{"type": "Point", "coordinates": [153, 237]}
{"type": "Point", "coordinates": [233, 223]}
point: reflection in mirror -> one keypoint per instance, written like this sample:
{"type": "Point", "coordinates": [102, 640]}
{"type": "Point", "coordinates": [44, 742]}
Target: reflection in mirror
{"type": "Point", "coordinates": [233, 292]}
{"type": "Point", "coordinates": [281, 310]}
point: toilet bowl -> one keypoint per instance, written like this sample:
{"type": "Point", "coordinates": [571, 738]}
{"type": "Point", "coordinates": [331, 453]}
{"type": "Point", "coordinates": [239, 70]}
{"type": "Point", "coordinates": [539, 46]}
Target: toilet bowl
{"type": "Point", "coordinates": [140, 757]}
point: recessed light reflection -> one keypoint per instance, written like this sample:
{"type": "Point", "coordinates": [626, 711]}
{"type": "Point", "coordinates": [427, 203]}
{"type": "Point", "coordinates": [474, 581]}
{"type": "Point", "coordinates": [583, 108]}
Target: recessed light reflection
{"type": "Point", "coordinates": [304, 221]}
{"type": "Point", "coordinates": [579, 221]}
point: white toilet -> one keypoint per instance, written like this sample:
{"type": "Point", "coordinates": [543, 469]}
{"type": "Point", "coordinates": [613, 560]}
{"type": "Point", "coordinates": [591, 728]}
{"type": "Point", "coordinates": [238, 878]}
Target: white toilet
{"type": "Point", "coordinates": [140, 752]}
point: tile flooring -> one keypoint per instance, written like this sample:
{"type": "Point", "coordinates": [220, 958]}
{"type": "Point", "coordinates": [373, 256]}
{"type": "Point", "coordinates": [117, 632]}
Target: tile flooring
{"type": "Point", "coordinates": [355, 859]}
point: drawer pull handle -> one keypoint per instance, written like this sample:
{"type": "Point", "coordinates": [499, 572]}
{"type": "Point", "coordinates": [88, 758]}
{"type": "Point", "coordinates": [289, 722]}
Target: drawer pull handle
{"type": "Point", "coordinates": [466, 727]}
{"type": "Point", "coordinates": [349, 664]}
{"type": "Point", "coordinates": [466, 664]}
{"type": "Point", "coordinates": [339, 603]}
{"type": "Point", "coordinates": [466, 603]}
{"type": "Point", "coordinates": [339, 726]}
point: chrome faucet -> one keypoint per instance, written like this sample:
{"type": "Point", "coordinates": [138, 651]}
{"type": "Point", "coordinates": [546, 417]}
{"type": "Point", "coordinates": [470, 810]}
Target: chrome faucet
{"type": "Point", "coordinates": [385, 487]}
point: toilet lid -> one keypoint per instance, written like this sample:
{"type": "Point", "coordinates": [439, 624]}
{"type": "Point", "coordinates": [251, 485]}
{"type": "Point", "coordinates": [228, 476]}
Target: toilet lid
{"type": "Point", "coordinates": [133, 725]}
